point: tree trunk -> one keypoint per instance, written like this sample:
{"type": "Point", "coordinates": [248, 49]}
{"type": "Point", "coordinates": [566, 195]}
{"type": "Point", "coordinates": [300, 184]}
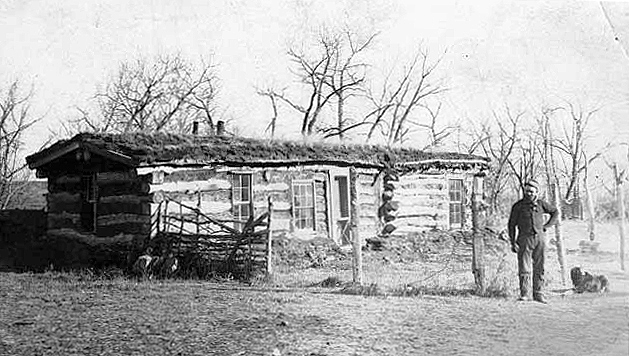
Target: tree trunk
{"type": "Point", "coordinates": [561, 249]}
{"type": "Point", "coordinates": [478, 268]}
{"type": "Point", "coordinates": [357, 265]}
{"type": "Point", "coordinates": [590, 206]}
{"type": "Point", "coordinates": [621, 215]}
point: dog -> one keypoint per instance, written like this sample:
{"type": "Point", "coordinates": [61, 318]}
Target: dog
{"type": "Point", "coordinates": [148, 266]}
{"type": "Point", "coordinates": [586, 282]}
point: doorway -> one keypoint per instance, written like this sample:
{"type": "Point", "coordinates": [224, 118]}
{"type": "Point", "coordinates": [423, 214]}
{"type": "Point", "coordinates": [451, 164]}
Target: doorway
{"type": "Point", "coordinates": [340, 206]}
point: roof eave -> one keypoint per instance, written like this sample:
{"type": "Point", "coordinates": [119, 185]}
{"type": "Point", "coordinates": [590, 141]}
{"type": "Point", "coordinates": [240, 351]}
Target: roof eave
{"type": "Point", "coordinates": [48, 157]}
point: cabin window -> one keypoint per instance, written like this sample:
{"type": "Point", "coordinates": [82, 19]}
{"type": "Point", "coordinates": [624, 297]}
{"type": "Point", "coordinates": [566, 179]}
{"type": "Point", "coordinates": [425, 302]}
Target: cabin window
{"type": "Point", "coordinates": [304, 205]}
{"type": "Point", "coordinates": [457, 195]}
{"type": "Point", "coordinates": [89, 193]}
{"type": "Point", "coordinates": [241, 199]}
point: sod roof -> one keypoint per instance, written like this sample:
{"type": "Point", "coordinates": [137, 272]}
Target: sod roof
{"type": "Point", "coordinates": [151, 149]}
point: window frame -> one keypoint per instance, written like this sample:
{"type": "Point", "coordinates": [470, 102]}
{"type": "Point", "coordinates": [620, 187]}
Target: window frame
{"type": "Point", "coordinates": [456, 208]}
{"type": "Point", "coordinates": [310, 184]}
{"type": "Point", "coordinates": [237, 202]}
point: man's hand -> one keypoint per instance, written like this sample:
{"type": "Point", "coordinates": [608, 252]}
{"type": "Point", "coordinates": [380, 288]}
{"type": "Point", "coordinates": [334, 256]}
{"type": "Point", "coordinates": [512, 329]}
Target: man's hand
{"type": "Point", "coordinates": [515, 248]}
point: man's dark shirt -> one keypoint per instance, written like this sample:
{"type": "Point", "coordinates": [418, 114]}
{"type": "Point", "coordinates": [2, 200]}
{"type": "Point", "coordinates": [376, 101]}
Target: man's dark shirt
{"type": "Point", "coordinates": [529, 218]}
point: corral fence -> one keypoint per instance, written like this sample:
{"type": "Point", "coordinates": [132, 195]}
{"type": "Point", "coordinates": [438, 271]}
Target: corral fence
{"type": "Point", "coordinates": [206, 245]}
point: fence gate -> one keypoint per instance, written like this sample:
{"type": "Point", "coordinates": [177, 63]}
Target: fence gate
{"type": "Point", "coordinates": [206, 245]}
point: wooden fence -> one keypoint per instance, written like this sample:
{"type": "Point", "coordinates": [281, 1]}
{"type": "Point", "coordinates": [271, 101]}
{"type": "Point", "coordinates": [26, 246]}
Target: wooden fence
{"type": "Point", "coordinates": [207, 245]}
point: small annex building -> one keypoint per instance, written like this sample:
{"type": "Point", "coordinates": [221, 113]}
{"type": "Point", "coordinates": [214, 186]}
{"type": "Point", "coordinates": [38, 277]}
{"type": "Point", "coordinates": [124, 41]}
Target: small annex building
{"type": "Point", "coordinates": [111, 188]}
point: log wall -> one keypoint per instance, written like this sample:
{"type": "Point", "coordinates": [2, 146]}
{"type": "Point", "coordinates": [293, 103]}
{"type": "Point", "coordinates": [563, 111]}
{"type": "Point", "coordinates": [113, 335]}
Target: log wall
{"type": "Point", "coordinates": [210, 191]}
{"type": "Point", "coordinates": [369, 190]}
{"type": "Point", "coordinates": [424, 200]}
{"type": "Point", "coordinates": [122, 214]}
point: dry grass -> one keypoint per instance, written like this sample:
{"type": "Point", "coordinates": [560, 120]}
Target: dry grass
{"type": "Point", "coordinates": [415, 304]}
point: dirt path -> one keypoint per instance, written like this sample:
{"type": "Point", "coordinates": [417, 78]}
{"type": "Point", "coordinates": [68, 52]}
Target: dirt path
{"type": "Point", "coordinates": [350, 325]}
{"type": "Point", "coordinates": [60, 315]}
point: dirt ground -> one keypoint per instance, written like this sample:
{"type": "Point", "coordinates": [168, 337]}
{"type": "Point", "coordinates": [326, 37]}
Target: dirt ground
{"type": "Point", "coordinates": [71, 314]}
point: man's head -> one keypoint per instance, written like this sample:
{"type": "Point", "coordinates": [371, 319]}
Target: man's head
{"type": "Point", "coordinates": [531, 190]}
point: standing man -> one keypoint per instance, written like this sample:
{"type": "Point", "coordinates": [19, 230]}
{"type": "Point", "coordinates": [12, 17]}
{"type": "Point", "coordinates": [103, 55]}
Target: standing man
{"type": "Point", "coordinates": [527, 215]}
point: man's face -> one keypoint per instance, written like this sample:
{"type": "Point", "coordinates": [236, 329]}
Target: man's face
{"type": "Point", "coordinates": [530, 193]}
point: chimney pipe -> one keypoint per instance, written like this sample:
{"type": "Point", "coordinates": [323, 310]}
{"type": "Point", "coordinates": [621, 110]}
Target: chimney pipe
{"type": "Point", "coordinates": [220, 128]}
{"type": "Point", "coordinates": [195, 127]}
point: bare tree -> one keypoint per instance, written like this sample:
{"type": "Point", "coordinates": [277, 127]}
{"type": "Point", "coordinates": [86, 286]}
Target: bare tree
{"type": "Point", "coordinates": [497, 140]}
{"type": "Point", "coordinates": [167, 93]}
{"type": "Point", "coordinates": [571, 146]}
{"type": "Point", "coordinates": [394, 105]}
{"type": "Point", "coordinates": [332, 72]}
{"type": "Point", "coordinates": [270, 93]}
{"type": "Point", "coordinates": [347, 78]}
{"type": "Point", "coordinates": [526, 162]}
{"type": "Point", "coordinates": [15, 119]}
{"type": "Point", "coordinates": [436, 134]}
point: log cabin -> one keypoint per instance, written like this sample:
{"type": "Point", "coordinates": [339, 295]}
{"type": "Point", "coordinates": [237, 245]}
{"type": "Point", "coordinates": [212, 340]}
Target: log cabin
{"type": "Point", "coordinates": [111, 188]}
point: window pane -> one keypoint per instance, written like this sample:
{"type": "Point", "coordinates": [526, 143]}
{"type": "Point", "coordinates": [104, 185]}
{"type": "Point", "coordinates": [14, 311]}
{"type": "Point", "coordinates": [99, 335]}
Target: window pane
{"type": "Point", "coordinates": [245, 194]}
{"type": "Point", "coordinates": [303, 205]}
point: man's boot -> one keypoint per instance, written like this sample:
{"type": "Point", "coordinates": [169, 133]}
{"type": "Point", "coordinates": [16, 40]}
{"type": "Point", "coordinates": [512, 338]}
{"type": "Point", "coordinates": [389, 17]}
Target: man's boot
{"type": "Point", "coordinates": [525, 282]}
{"type": "Point", "coordinates": [538, 295]}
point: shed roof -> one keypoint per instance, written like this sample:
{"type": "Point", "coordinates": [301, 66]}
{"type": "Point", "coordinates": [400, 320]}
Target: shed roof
{"type": "Point", "coordinates": [157, 149]}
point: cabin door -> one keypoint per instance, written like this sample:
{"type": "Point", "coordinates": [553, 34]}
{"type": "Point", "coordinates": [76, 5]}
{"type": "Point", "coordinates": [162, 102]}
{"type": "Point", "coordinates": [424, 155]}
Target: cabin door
{"type": "Point", "coordinates": [339, 209]}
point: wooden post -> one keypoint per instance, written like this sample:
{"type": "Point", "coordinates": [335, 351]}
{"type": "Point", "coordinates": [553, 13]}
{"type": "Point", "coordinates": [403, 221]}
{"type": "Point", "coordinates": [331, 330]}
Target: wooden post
{"type": "Point", "coordinates": [269, 243]}
{"type": "Point", "coordinates": [589, 205]}
{"type": "Point", "coordinates": [561, 248]}
{"type": "Point", "coordinates": [357, 265]}
{"type": "Point", "coordinates": [478, 244]}
{"type": "Point", "coordinates": [620, 199]}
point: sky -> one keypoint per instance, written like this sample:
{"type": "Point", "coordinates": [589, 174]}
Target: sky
{"type": "Point", "coordinates": [524, 54]}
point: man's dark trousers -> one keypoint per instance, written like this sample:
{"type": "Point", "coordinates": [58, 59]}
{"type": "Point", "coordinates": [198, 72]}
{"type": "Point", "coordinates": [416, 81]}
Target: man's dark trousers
{"type": "Point", "coordinates": [531, 257]}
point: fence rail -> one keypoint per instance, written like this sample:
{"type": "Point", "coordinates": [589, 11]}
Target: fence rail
{"type": "Point", "coordinates": [207, 244]}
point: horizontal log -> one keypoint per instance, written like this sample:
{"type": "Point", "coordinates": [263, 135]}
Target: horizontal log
{"type": "Point", "coordinates": [112, 219]}
{"type": "Point", "coordinates": [64, 179]}
{"type": "Point", "coordinates": [131, 228]}
{"type": "Point", "coordinates": [124, 198]}
{"type": "Point", "coordinates": [123, 208]}
{"type": "Point", "coordinates": [277, 205]}
{"type": "Point", "coordinates": [192, 186]}
{"type": "Point", "coordinates": [91, 239]}
{"type": "Point", "coordinates": [67, 186]}
{"type": "Point", "coordinates": [123, 188]}
{"type": "Point", "coordinates": [419, 200]}
{"type": "Point", "coordinates": [120, 176]}
{"type": "Point", "coordinates": [63, 220]}
{"type": "Point", "coordinates": [64, 197]}
{"type": "Point", "coordinates": [69, 206]}
{"type": "Point", "coordinates": [271, 187]}
{"type": "Point", "coordinates": [206, 207]}
{"type": "Point", "coordinates": [186, 174]}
